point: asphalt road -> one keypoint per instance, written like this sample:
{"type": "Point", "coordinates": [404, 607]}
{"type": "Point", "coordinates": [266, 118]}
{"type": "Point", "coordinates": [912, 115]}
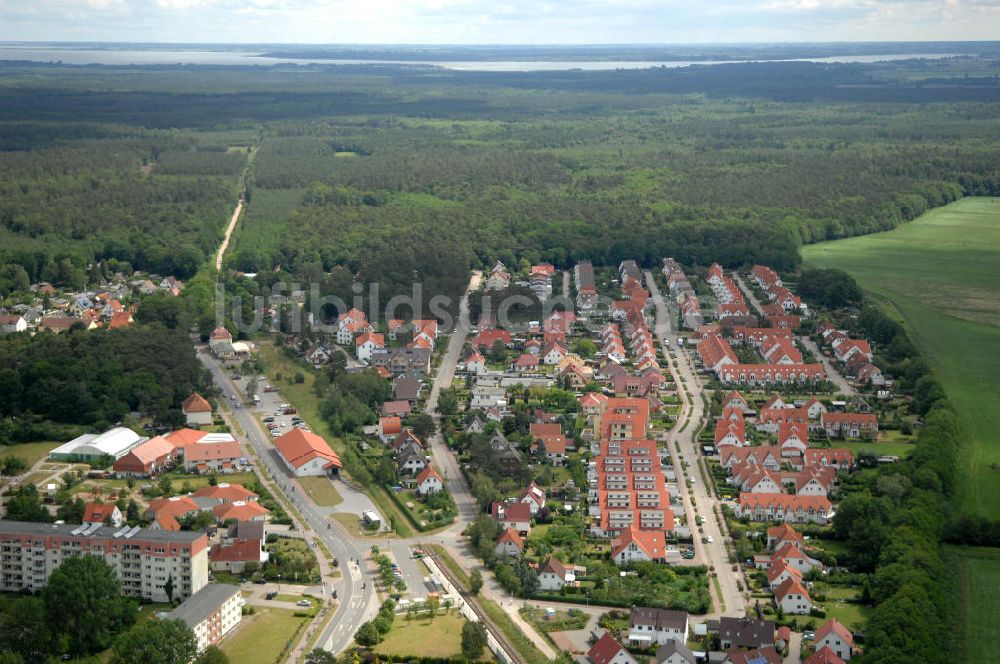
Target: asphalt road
{"type": "Point", "coordinates": [686, 379]}
{"type": "Point", "coordinates": [356, 594]}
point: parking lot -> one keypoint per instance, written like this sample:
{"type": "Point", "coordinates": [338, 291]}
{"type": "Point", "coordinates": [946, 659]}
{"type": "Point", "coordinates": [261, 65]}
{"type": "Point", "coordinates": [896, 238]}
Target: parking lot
{"type": "Point", "coordinates": [412, 570]}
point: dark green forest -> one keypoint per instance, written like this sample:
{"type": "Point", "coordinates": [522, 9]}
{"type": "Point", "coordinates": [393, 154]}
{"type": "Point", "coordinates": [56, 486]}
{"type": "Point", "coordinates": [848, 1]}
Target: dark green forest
{"type": "Point", "coordinates": [399, 173]}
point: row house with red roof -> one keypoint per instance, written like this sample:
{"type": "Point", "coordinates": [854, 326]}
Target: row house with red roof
{"type": "Point", "coordinates": [350, 324]}
{"type": "Point", "coordinates": [850, 425]}
{"type": "Point", "coordinates": [783, 507]}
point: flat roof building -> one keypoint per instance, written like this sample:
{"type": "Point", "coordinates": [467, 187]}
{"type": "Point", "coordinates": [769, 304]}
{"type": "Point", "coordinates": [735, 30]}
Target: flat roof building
{"type": "Point", "coordinates": [211, 612]}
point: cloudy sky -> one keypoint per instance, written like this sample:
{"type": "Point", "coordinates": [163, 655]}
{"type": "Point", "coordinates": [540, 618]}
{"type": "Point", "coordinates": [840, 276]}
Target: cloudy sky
{"type": "Point", "coordinates": [497, 21]}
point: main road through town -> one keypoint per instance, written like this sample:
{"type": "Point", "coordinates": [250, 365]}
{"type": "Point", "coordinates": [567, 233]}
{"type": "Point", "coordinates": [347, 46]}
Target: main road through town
{"type": "Point", "coordinates": [682, 442]}
{"type": "Point", "coordinates": [356, 594]}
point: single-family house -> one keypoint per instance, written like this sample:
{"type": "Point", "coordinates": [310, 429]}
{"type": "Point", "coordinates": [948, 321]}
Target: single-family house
{"type": "Point", "coordinates": [793, 598]}
{"type": "Point", "coordinates": [366, 343]}
{"type": "Point", "coordinates": [429, 481]}
{"type": "Point", "coordinates": [197, 411]}
{"type": "Point", "coordinates": [553, 575]}
{"type": "Point", "coordinates": [509, 544]}
{"type": "Point", "coordinates": [836, 637]}
{"type": "Point", "coordinates": [651, 627]}
{"type": "Point", "coordinates": [606, 650]}
{"type": "Point", "coordinates": [512, 515]}
{"type": "Point", "coordinates": [410, 461]}
{"type": "Point", "coordinates": [103, 514]}
{"type": "Point", "coordinates": [674, 652]}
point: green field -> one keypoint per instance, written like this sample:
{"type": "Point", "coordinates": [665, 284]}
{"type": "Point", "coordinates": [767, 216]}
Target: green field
{"type": "Point", "coordinates": [32, 453]}
{"type": "Point", "coordinates": [441, 637]}
{"type": "Point", "coordinates": [321, 490]}
{"type": "Point", "coordinates": [938, 275]}
{"type": "Point", "coordinates": [261, 638]}
{"type": "Point", "coordinates": [979, 569]}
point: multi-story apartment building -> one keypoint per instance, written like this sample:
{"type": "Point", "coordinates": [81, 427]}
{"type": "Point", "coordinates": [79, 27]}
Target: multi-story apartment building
{"type": "Point", "coordinates": [143, 559]}
{"type": "Point", "coordinates": [211, 613]}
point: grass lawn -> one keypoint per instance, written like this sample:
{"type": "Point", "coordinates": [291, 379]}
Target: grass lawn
{"type": "Point", "coordinates": [979, 604]}
{"type": "Point", "coordinates": [441, 637]}
{"type": "Point", "coordinates": [353, 524]}
{"type": "Point", "coordinates": [262, 637]}
{"type": "Point", "coordinates": [850, 614]}
{"type": "Point", "coordinates": [321, 490]}
{"type": "Point", "coordinates": [32, 453]}
{"type": "Point", "coordinates": [902, 450]}
{"type": "Point", "coordinates": [938, 275]}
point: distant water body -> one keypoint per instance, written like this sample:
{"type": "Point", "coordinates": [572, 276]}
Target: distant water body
{"type": "Point", "coordinates": [80, 56]}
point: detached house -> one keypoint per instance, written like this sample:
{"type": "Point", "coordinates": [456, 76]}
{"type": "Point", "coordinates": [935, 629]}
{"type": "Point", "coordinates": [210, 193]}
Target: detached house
{"type": "Point", "coordinates": [553, 575]}
{"type": "Point", "coordinates": [411, 461]}
{"type": "Point", "coordinates": [509, 544]}
{"type": "Point", "coordinates": [534, 496]}
{"type": "Point", "coordinates": [837, 638]}
{"type": "Point", "coordinates": [429, 481]}
{"type": "Point", "coordinates": [349, 324]}
{"type": "Point", "coordinates": [366, 343]}
{"type": "Point", "coordinates": [649, 627]}
{"type": "Point", "coordinates": [512, 515]}
{"type": "Point", "coordinates": [793, 598]}
{"type": "Point", "coordinates": [608, 651]}
{"type": "Point", "coordinates": [103, 513]}
{"type": "Point", "coordinates": [639, 545]}
{"type": "Point", "coordinates": [197, 411]}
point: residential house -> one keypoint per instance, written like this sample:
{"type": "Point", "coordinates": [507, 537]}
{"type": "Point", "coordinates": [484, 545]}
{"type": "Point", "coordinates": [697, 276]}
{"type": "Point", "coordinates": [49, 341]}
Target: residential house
{"type": "Point", "coordinates": [762, 655]}
{"type": "Point", "coordinates": [793, 598]}
{"type": "Point", "coordinates": [211, 613]}
{"type": "Point", "coordinates": [850, 425]}
{"type": "Point", "coordinates": [103, 514]}
{"type": "Point", "coordinates": [410, 461]}
{"type": "Point", "coordinates": [429, 481]}
{"type": "Point", "coordinates": [218, 457]}
{"type": "Point", "coordinates": [475, 362]}
{"type": "Point", "coordinates": [793, 439]}
{"type": "Point", "coordinates": [509, 544]}
{"type": "Point", "coordinates": [389, 427]}
{"type": "Point", "coordinates": [534, 496]}
{"type": "Point", "coordinates": [415, 361]}
{"type": "Point", "coordinates": [674, 652]}
{"type": "Point", "coordinates": [10, 323]}
{"type": "Point", "coordinates": [396, 408]}
{"type": "Point", "coordinates": [366, 343]}
{"type": "Point", "coordinates": [634, 545]}
{"type": "Point", "coordinates": [783, 507]}
{"type": "Point", "coordinates": [606, 650]}
{"type": "Point", "coordinates": [197, 411]}
{"type": "Point", "coordinates": [651, 627]}
{"type": "Point", "coordinates": [512, 515]}
{"type": "Point", "coordinates": [553, 353]}
{"type": "Point", "coordinates": [406, 388]}
{"type": "Point", "coordinates": [780, 571]}
{"type": "Point", "coordinates": [221, 342]}
{"type": "Point", "coordinates": [836, 637]}
{"type": "Point", "coordinates": [745, 633]}
{"type": "Point", "coordinates": [778, 535]}
{"type": "Point", "coordinates": [553, 575]}
{"type": "Point", "coordinates": [824, 655]}
{"type": "Point", "coordinates": [498, 278]}
{"type": "Point", "coordinates": [145, 459]}
{"type": "Point", "coordinates": [351, 323]}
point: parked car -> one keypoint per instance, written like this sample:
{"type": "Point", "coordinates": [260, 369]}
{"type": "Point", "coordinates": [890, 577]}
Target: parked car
{"type": "Point", "coordinates": [303, 602]}
{"type": "Point", "coordinates": [271, 595]}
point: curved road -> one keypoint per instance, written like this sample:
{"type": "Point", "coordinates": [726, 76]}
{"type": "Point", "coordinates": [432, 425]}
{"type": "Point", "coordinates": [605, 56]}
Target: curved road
{"type": "Point", "coordinates": [356, 594]}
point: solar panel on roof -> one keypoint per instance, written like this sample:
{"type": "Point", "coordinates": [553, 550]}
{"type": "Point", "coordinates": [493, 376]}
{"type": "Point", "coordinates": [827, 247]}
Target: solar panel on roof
{"type": "Point", "coordinates": [79, 529]}
{"type": "Point", "coordinates": [121, 531]}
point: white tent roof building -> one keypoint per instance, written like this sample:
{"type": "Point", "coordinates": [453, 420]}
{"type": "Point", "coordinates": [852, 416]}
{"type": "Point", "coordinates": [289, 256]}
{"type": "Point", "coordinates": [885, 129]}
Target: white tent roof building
{"type": "Point", "coordinates": [116, 442]}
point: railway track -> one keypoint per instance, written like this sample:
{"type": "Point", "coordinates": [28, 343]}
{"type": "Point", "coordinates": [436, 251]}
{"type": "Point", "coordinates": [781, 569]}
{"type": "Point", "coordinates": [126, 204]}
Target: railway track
{"type": "Point", "coordinates": [512, 655]}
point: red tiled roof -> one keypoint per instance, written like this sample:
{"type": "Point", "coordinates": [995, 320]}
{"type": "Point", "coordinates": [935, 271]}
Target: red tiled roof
{"type": "Point", "coordinates": [98, 512]}
{"type": "Point", "coordinates": [242, 550]}
{"type": "Point", "coordinates": [299, 447]}
{"type": "Point", "coordinates": [428, 472]}
{"type": "Point", "coordinates": [184, 437]}
{"type": "Point", "coordinates": [836, 627]}
{"type": "Point", "coordinates": [224, 491]}
{"type": "Point", "coordinates": [390, 425]}
{"type": "Point", "coordinates": [790, 586]}
{"type": "Point", "coordinates": [652, 542]}
{"type": "Point", "coordinates": [510, 535]}
{"type": "Point", "coordinates": [196, 404]}
{"type": "Point", "coordinates": [167, 522]}
{"type": "Point", "coordinates": [240, 510]}
{"type": "Point", "coordinates": [604, 650]}
{"type": "Point", "coordinates": [226, 449]}
{"type": "Point", "coordinates": [824, 655]}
